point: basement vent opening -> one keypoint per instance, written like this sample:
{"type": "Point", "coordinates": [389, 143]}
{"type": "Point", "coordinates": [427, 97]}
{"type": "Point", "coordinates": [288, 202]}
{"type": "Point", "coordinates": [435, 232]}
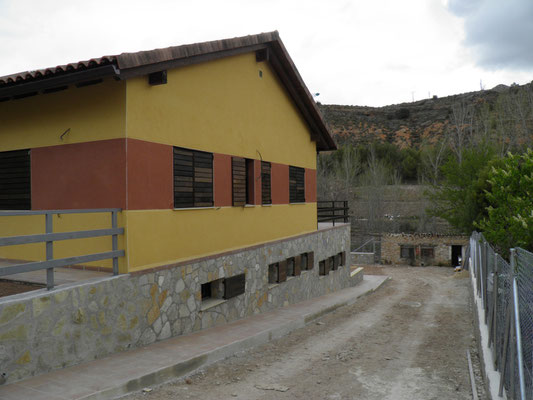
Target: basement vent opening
{"type": "Point", "coordinates": [157, 78]}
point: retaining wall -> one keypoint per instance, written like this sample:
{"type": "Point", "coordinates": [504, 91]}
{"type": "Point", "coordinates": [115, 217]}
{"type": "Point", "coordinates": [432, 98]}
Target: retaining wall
{"type": "Point", "coordinates": [41, 330]}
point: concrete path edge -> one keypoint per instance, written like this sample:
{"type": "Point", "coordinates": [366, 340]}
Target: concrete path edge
{"type": "Point", "coordinates": [491, 377]}
{"type": "Point", "coordinates": [183, 368]}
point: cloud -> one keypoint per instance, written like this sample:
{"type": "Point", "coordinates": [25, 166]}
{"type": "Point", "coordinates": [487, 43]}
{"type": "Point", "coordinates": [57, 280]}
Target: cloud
{"type": "Point", "coordinates": [498, 32]}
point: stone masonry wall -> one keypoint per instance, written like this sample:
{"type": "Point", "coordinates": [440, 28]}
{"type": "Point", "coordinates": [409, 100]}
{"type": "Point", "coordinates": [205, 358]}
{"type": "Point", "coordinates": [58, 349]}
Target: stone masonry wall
{"type": "Point", "coordinates": [41, 330]}
{"type": "Point", "coordinates": [391, 244]}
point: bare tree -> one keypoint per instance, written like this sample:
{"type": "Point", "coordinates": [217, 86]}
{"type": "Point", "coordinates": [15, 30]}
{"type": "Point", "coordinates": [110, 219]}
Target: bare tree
{"type": "Point", "coordinates": [461, 128]}
{"type": "Point", "coordinates": [337, 174]}
{"type": "Point", "coordinates": [432, 157]}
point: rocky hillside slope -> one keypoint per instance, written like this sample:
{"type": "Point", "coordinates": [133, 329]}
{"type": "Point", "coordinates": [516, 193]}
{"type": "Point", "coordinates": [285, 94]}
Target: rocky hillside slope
{"type": "Point", "coordinates": [406, 124]}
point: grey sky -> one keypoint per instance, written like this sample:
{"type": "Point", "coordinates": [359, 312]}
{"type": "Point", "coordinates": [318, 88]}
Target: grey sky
{"type": "Point", "coordinates": [352, 52]}
{"type": "Point", "coordinates": [499, 32]}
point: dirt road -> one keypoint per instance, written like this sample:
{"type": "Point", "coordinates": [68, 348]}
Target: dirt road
{"type": "Point", "coordinates": [406, 341]}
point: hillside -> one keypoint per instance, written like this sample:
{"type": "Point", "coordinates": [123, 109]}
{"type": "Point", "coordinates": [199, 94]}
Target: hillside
{"type": "Point", "coordinates": [406, 124]}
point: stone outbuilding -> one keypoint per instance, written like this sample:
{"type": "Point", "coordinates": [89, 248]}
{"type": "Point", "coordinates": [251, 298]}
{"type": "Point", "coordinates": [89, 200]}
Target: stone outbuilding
{"type": "Point", "coordinates": [423, 249]}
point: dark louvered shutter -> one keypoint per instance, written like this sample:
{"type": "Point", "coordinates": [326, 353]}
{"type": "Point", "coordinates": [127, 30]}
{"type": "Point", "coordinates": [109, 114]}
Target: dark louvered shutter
{"type": "Point", "coordinates": [15, 180]}
{"type": "Point", "coordinates": [328, 266]}
{"type": "Point", "coordinates": [203, 179]}
{"type": "Point", "coordinates": [193, 178]}
{"type": "Point", "coordinates": [296, 185]}
{"type": "Point", "coordinates": [234, 286]}
{"type": "Point", "coordinates": [310, 260]}
{"type": "Point", "coordinates": [238, 173]}
{"type": "Point", "coordinates": [183, 178]}
{"type": "Point", "coordinates": [265, 183]}
{"type": "Point", "coordinates": [297, 265]}
{"type": "Point", "coordinates": [282, 271]}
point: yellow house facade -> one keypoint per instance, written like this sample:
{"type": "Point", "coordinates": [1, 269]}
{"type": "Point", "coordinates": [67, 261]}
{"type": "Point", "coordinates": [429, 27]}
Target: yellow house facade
{"type": "Point", "coordinates": [208, 151]}
{"type": "Point", "coordinates": [106, 141]}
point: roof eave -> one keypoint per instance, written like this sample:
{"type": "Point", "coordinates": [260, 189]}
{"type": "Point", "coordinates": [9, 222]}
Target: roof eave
{"type": "Point", "coordinates": [38, 85]}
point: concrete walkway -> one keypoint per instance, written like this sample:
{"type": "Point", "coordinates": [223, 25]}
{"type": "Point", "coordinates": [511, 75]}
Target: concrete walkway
{"type": "Point", "coordinates": [125, 372]}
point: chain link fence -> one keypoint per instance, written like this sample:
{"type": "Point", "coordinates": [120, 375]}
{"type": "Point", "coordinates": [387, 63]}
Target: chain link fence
{"type": "Point", "coordinates": [506, 291]}
{"type": "Point", "coordinates": [524, 280]}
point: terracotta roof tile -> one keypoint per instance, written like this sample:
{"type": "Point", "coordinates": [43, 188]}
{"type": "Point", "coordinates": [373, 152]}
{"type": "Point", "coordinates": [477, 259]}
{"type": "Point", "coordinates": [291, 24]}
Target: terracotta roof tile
{"type": "Point", "coordinates": [27, 76]}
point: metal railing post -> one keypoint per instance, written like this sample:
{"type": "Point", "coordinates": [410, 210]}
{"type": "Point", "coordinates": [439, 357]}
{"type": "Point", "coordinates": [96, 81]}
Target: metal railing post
{"type": "Point", "coordinates": [114, 241]}
{"type": "Point", "coordinates": [518, 334]}
{"type": "Point", "coordinates": [49, 228]}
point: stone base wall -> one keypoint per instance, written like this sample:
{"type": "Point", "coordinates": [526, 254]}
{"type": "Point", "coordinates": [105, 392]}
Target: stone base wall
{"type": "Point", "coordinates": [41, 330]}
{"type": "Point", "coordinates": [441, 244]}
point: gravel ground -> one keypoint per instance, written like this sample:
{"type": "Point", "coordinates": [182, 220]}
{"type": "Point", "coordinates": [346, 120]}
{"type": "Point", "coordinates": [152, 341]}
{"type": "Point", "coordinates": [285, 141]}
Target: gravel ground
{"type": "Point", "coordinates": [407, 341]}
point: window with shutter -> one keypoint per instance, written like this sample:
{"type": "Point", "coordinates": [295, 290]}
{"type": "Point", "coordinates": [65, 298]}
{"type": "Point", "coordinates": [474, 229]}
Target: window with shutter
{"type": "Point", "coordinates": [407, 252]}
{"type": "Point", "coordinates": [296, 185]}
{"type": "Point", "coordinates": [266, 197]}
{"type": "Point", "coordinates": [427, 252]}
{"type": "Point", "coordinates": [239, 179]}
{"type": "Point", "coordinates": [193, 178]}
{"type": "Point", "coordinates": [15, 180]}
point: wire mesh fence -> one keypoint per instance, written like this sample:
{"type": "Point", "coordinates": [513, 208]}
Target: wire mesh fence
{"type": "Point", "coordinates": [524, 280]}
{"type": "Point", "coordinates": [506, 291]}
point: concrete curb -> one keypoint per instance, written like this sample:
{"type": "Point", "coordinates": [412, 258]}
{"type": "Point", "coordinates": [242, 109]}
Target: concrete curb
{"type": "Point", "coordinates": [189, 366]}
{"type": "Point", "coordinates": [491, 377]}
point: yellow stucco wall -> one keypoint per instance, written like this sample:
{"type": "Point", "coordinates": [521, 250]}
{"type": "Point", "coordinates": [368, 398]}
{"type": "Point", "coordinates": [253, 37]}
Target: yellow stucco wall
{"type": "Point", "coordinates": [159, 237]}
{"type": "Point", "coordinates": [222, 106]}
{"type": "Point", "coordinates": [95, 112]}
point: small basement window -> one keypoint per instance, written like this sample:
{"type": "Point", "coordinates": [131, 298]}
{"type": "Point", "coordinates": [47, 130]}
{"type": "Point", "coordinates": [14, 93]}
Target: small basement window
{"type": "Point", "coordinates": [337, 261]}
{"type": "Point", "coordinates": [290, 266]}
{"type": "Point", "coordinates": [332, 265]}
{"type": "Point", "coordinates": [303, 261]}
{"type": "Point", "coordinates": [322, 267]}
{"type": "Point", "coordinates": [273, 273]}
{"type": "Point", "coordinates": [213, 289]}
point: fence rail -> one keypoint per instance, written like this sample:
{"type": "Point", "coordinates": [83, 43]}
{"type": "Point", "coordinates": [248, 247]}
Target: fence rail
{"type": "Point", "coordinates": [332, 210]}
{"type": "Point", "coordinates": [49, 237]}
{"type": "Point", "coordinates": [506, 291]}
